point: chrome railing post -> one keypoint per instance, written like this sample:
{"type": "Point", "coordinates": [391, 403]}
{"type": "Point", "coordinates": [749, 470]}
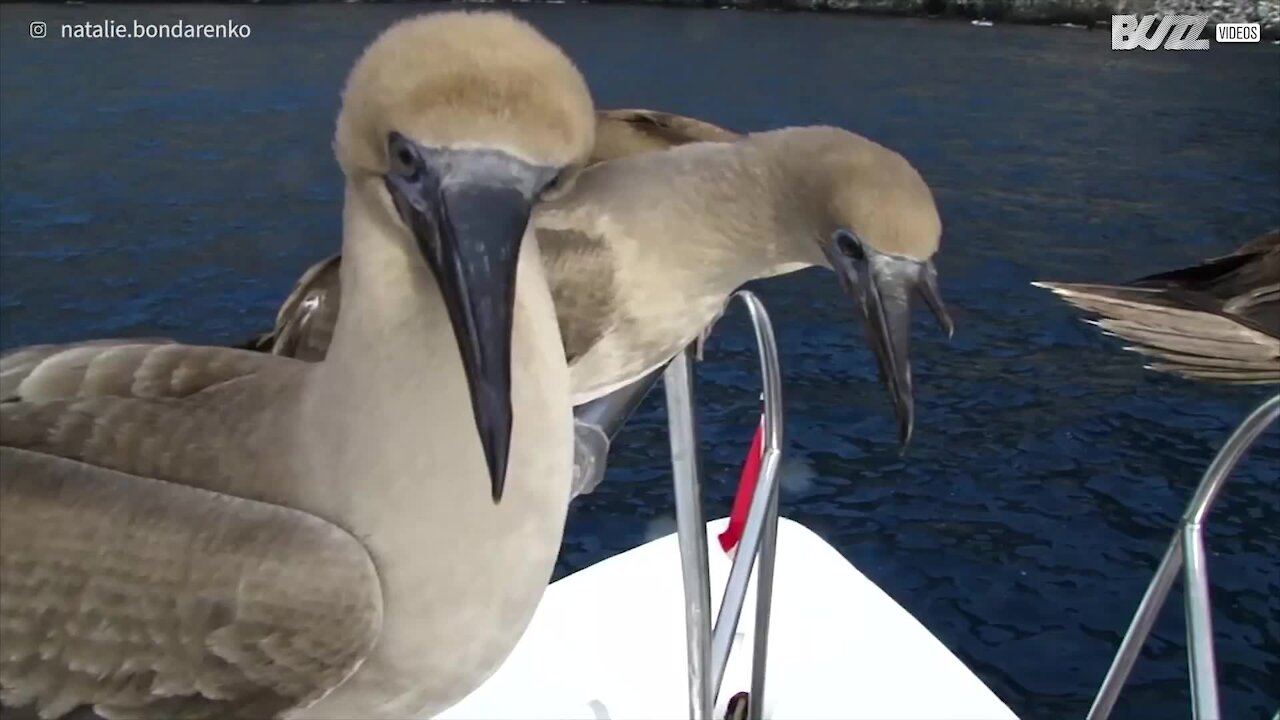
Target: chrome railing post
{"type": "Point", "coordinates": [764, 605]}
{"type": "Point", "coordinates": [1200, 664]}
{"type": "Point", "coordinates": [691, 529]}
{"type": "Point", "coordinates": [763, 510]}
{"type": "Point", "coordinates": [708, 644]}
{"type": "Point", "coordinates": [1187, 545]}
{"type": "Point", "coordinates": [1136, 636]}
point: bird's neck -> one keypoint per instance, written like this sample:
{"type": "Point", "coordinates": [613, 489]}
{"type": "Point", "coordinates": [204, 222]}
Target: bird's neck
{"type": "Point", "coordinates": [390, 442]}
{"type": "Point", "coordinates": [749, 214]}
{"type": "Point", "coordinates": [391, 325]}
{"type": "Point", "coordinates": [792, 219]}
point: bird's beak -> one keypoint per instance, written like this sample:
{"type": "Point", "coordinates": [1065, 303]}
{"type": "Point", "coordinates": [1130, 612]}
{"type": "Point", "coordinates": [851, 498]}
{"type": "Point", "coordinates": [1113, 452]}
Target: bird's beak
{"type": "Point", "coordinates": [882, 284]}
{"type": "Point", "coordinates": [468, 211]}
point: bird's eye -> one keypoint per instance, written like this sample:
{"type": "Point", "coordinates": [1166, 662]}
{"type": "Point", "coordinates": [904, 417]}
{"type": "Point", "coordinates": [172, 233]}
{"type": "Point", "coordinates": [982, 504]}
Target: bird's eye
{"type": "Point", "coordinates": [849, 246]}
{"type": "Point", "coordinates": [558, 185]}
{"type": "Point", "coordinates": [404, 161]}
{"type": "Point", "coordinates": [552, 186]}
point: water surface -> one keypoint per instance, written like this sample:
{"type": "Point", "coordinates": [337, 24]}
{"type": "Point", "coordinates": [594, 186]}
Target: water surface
{"type": "Point", "coordinates": [178, 188]}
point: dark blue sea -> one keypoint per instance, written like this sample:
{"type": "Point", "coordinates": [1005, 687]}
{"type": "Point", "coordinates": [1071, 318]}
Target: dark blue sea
{"type": "Point", "coordinates": [178, 187]}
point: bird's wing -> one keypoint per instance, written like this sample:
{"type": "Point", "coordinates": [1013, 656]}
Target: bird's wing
{"type": "Point", "coordinates": [17, 364]}
{"type": "Point", "coordinates": [630, 285]}
{"type": "Point", "coordinates": [129, 582]}
{"type": "Point", "coordinates": [159, 410]}
{"type": "Point", "coordinates": [1259, 305]}
{"type": "Point", "coordinates": [305, 322]}
{"type": "Point", "coordinates": [670, 128]}
{"type": "Point", "coordinates": [1184, 339]}
{"type": "Point", "coordinates": [623, 133]}
{"type": "Point", "coordinates": [150, 599]}
{"type": "Point", "coordinates": [150, 369]}
{"type": "Point", "coordinates": [580, 271]}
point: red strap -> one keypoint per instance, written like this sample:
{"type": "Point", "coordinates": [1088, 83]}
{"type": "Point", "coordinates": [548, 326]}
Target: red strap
{"type": "Point", "coordinates": [746, 489]}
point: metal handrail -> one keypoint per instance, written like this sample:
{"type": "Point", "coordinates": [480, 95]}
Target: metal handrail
{"type": "Point", "coordinates": [709, 645]}
{"type": "Point", "coordinates": [1186, 549]}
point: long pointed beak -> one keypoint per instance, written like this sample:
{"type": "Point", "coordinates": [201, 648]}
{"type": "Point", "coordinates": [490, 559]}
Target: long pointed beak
{"type": "Point", "coordinates": [482, 227]}
{"type": "Point", "coordinates": [468, 217]}
{"type": "Point", "coordinates": [882, 284]}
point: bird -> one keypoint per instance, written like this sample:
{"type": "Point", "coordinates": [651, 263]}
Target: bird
{"type": "Point", "coordinates": [1216, 321]}
{"type": "Point", "coordinates": [304, 323]}
{"type": "Point", "coordinates": [642, 252]}
{"type": "Point", "coordinates": [645, 251]}
{"type": "Point", "coordinates": [204, 532]}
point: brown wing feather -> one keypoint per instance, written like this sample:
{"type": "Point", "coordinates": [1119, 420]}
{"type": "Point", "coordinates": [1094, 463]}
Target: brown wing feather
{"type": "Point", "coordinates": [17, 364]}
{"type": "Point", "coordinates": [626, 132]}
{"type": "Point", "coordinates": [1185, 339]}
{"type": "Point", "coordinates": [305, 322]}
{"type": "Point", "coordinates": [106, 569]}
{"type": "Point", "coordinates": [580, 270]}
{"type": "Point", "coordinates": [150, 409]}
{"type": "Point", "coordinates": [114, 405]}
{"type": "Point", "coordinates": [149, 599]}
{"type": "Point", "coordinates": [1217, 320]}
{"type": "Point", "coordinates": [122, 368]}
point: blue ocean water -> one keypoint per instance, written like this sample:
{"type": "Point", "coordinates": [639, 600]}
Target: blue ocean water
{"type": "Point", "coordinates": [179, 187]}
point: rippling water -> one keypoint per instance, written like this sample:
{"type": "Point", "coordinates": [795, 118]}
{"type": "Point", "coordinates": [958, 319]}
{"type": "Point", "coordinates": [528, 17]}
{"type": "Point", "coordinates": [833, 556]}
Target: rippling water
{"type": "Point", "coordinates": [178, 188]}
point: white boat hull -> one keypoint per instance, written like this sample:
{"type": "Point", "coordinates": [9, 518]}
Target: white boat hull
{"type": "Point", "coordinates": [609, 642]}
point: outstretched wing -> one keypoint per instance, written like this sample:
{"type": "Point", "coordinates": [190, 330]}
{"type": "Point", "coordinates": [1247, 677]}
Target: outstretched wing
{"type": "Point", "coordinates": [150, 599]}
{"type": "Point", "coordinates": [1181, 337]}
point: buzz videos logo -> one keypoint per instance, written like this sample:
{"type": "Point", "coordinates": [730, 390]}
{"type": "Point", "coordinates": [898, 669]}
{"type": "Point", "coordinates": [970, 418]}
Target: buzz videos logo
{"type": "Point", "coordinates": [1176, 32]}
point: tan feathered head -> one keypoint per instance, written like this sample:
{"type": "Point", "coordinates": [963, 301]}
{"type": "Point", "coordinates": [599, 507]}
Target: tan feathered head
{"type": "Point", "coordinates": [863, 187]}
{"type": "Point", "coordinates": [453, 125]}
{"type": "Point", "coordinates": [465, 80]}
{"type": "Point", "coordinates": [883, 199]}
{"type": "Point", "coordinates": [878, 227]}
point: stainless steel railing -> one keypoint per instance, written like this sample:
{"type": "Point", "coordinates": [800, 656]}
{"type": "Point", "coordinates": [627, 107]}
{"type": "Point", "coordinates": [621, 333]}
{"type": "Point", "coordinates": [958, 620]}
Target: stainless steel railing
{"type": "Point", "coordinates": [709, 644]}
{"type": "Point", "coordinates": [1186, 551]}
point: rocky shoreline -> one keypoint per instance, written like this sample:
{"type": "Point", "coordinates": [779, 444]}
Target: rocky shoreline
{"type": "Point", "coordinates": [1088, 13]}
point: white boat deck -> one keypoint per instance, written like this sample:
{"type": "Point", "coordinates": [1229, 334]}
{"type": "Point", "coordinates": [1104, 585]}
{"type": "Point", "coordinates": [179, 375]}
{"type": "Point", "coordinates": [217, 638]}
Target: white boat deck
{"type": "Point", "coordinates": [609, 642]}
